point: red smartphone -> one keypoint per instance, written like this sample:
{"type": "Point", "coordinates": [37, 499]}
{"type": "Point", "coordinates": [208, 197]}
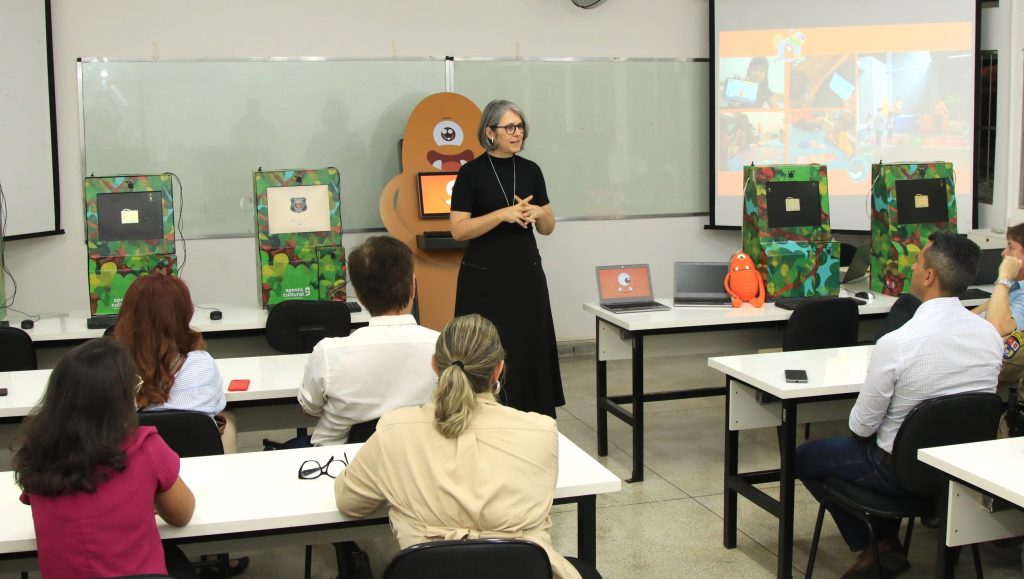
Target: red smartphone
{"type": "Point", "coordinates": [238, 385]}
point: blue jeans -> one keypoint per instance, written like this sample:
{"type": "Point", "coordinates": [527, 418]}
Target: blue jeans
{"type": "Point", "coordinates": [857, 461]}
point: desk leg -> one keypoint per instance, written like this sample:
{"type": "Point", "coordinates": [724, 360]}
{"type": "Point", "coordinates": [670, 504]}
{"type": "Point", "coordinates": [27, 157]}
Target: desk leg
{"type": "Point", "coordinates": [638, 409]}
{"type": "Point", "coordinates": [945, 557]}
{"type": "Point", "coordinates": [602, 396]}
{"type": "Point", "coordinates": [586, 523]}
{"type": "Point", "coordinates": [786, 479]}
{"type": "Point", "coordinates": [732, 439]}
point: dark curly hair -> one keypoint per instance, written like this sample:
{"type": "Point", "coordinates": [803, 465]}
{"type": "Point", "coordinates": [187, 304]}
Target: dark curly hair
{"type": "Point", "coordinates": [74, 440]}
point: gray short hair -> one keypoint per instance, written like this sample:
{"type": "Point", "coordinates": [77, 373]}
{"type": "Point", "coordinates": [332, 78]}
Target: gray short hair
{"type": "Point", "coordinates": [492, 116]}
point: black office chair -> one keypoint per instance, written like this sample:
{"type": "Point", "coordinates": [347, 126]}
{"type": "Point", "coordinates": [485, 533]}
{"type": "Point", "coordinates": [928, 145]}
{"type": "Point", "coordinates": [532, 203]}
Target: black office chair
{"type": "Point", "coordinates": [846, 253]}
{"type": "Point", "coordinates": [900, 313]}
{"type": "Point", "coordinates": [952, 419]}
{"type": "Point", "coordinates": [821, 323]}
{"type": "Point", "coordinates": [16, 351]}
{"type": "Point", "coordinates": [295, 327]}
{"type": "Point", "coordinates": [187, 433]}
{"type": "Point", "coordinates": [471, 559]}
{"type": "Point", "coordinates": [192, 434]}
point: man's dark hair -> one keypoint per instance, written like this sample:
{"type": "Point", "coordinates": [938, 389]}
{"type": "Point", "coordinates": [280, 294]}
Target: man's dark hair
{"type": "Point", "coordinates": [381, 271]}
{"type": "Point", "coordinates": [955, 261]}
{"type": "Point", "coordinates": [1016, 233]}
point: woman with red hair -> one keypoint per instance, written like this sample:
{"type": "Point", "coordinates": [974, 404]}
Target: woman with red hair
{"type": "Point", "coordinates": [177, 373]}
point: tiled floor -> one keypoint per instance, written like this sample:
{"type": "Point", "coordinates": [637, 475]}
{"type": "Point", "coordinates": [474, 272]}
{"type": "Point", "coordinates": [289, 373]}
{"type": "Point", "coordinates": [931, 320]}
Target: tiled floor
{"type": "Point", "coordinates": [670, 525]}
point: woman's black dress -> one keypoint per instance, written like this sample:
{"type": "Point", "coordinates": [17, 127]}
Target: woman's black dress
{"type": "Point", "coordinates": [501, 279]}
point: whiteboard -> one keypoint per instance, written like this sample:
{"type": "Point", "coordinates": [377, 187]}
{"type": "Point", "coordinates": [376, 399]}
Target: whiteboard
{"type": "Point", "coordinates": [214, 122]}
{"type": "Point", "coordinates": [615, 138]}
{"type": "Point", "coordinates": [27, 144]}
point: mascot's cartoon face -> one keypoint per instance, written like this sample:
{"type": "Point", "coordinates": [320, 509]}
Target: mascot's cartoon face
{"type": "Point", "coordinates": [739, 262]}
{"type": "Point", "coordinates": [625, 283]}
{"type": "Point", "coordinates": [440, 134]}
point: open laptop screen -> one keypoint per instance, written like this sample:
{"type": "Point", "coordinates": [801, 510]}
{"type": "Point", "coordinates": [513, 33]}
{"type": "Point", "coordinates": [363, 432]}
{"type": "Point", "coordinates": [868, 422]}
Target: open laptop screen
{"type": "Point", "coordinates": [700, 279]}
{"type": "Point", "coordinates": [624, 283]}
{"type": "Point", "coordinates": [435, 193]}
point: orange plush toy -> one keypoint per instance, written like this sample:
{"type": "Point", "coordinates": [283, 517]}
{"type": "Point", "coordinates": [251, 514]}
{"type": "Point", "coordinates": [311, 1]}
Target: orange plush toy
{"type": "Point", "coordinates": [744, 282]}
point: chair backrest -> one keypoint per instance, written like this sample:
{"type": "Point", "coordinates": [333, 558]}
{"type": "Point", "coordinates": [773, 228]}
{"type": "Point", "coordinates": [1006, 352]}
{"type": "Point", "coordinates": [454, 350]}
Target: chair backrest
{"type": "Point", "coordinates": [471, 559]}
{"type": "Point", "coordinates": [822, 323]}
{"type": "Point", "coordinates": [363, 431]}
{"type": "Point", "coordinates": [16, 351]}
{"type": "Point", "coordinates": [187, 433]}
{"type": "Point", "coordinates": [900, 313]}
{"type": "Point", "coordinates": [951, 419]}
{"type": "Point", "coordinates": [295, 327]}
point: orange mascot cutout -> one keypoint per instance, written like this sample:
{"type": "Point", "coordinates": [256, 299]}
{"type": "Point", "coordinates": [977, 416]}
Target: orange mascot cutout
{"type": "Point", "coordinates": [440, 136]}
{"type": "Point", "coordinates": [743, 282]}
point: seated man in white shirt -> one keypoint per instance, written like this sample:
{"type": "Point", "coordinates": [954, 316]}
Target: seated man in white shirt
{"type": "Point", "coordinates": [381, 367]}
{"type": "Point", "coordinates": [943, 349]}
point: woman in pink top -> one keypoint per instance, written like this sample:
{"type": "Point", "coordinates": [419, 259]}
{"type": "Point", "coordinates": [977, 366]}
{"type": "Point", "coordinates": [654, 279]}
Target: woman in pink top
{"type": "Point", "coordinates": [93, 476]}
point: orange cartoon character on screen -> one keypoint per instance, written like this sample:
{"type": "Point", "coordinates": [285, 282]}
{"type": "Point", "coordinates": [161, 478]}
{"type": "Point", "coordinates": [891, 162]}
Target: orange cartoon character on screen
{"type": "Point", "coordinates": [743, 282]}
{"type": "Point", "coordinates": [439, 138]}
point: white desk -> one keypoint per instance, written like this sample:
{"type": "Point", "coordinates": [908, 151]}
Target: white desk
{"type": "Point", "coordinates": [758, 396]}
{"type": "Point", "coordinates": [994, 468]}
{"type": "Point", "coordinates": [685, 330]}
{"type": "Point", "coordinates": [256, 500]}
{"type": "Point", "coordinates": [71, 326]}
{"type": "Point", "coordinates": [274, 382]}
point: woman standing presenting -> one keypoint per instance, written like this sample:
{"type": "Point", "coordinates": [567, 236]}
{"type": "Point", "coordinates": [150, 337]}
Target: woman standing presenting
{"type": "Point", "coordinates": [498, 200]}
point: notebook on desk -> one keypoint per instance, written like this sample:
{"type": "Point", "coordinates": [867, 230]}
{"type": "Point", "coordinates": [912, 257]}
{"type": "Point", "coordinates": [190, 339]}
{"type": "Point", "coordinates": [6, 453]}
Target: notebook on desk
{"type": "Point", "coordinates": [626, 288]}
{"type": "Point", "coordinates": [701, 284]}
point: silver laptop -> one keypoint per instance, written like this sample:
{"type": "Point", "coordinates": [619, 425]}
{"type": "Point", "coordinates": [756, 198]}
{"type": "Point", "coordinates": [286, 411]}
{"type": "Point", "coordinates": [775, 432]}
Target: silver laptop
{"type": "Point", "coordinates": [860, 264]}
{"type": "Point", "coordinates": [625, 289]}
{"type": "Point", "coordinates": [701, 284]}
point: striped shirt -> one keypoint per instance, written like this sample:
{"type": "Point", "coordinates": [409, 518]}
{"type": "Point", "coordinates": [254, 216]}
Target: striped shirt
{"type": "Point", "coordinates": [198, 386]}
{"type": "Point", "coordinates": [944, 349]}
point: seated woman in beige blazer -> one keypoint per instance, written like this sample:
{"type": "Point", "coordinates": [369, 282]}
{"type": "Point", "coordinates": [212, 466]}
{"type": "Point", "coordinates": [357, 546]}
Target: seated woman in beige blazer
{"type": "Point", "coordinates": [463, 466]}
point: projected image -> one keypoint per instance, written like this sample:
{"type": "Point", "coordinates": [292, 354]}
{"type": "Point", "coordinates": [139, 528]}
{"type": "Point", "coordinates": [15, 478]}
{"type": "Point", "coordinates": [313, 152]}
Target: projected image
{"type": "Point", "coordinates": [910, 101]}
{"type": "Point", "coordinates": [751, 137]}
{"type": "Point", "coordinates": [751, 83]}
{"type": "Point", "coordinates": [842, 89]}
{"type": "Point", "coordinates": [827, 138]}
{"type": "Point", "coordinates": [826, 81]}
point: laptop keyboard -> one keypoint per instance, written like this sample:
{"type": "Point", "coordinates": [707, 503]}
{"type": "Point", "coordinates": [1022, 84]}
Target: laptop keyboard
{"type": "Point", "coordinates": [974, 293]}
{"type": "Point", "coordinates": [638, 306]}
{"type": "Point", "coordinates": [702, 302]}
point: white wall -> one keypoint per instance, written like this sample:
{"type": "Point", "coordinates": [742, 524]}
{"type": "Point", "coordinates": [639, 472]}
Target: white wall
{"type": "Point", "coordinates": [51, 272]}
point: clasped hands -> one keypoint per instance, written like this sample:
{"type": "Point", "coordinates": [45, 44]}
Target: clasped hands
{"type": "Point", "coordinates": [522, 212]}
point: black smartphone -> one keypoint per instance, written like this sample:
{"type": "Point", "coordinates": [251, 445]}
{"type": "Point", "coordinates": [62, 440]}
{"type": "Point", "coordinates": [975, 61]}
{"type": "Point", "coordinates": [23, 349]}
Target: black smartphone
{"type": "Point", "coordinates": [796, 376]}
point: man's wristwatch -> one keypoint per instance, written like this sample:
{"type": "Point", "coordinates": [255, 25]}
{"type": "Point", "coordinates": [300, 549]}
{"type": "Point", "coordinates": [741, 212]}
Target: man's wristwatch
{"type": "Point", "coordinates": [1007, 282]}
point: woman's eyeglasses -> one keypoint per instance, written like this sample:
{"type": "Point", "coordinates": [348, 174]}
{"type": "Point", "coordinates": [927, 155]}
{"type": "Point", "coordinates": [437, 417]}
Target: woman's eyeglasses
{"type": "Point", "coordinates": [510, 128]}
{"type": "Point", "coordinates": [312, 469]}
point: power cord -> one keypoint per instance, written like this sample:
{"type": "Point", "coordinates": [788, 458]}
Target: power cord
{"type": "Point", "coordinates": [180, 220]}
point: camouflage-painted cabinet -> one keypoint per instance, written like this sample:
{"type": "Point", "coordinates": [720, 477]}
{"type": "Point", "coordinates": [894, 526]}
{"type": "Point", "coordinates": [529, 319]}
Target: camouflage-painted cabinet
{"type": "Point", "coordinates": [786, 229]}
{"type": "Point", "coordinates": [298, 224]}
{"type": "Point", "coordinates": [909, 202]}
{"type": "Point", "coordinates": [127, 236]}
